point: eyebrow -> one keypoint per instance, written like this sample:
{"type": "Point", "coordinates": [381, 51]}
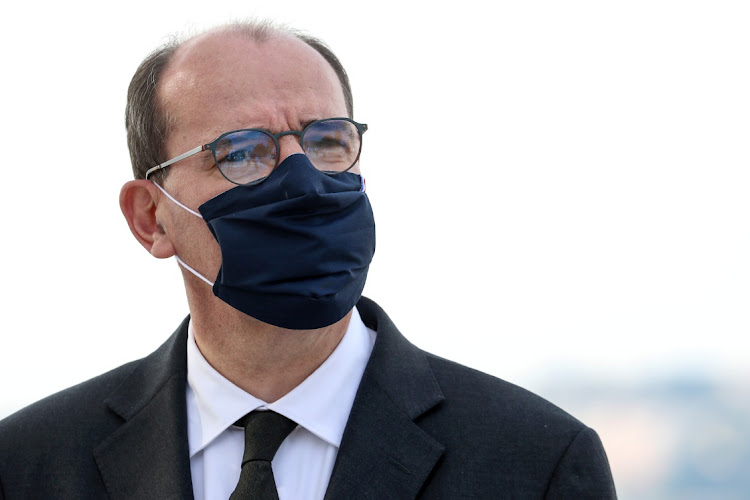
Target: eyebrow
{"type": "Point", "coordinates": [305, 123]}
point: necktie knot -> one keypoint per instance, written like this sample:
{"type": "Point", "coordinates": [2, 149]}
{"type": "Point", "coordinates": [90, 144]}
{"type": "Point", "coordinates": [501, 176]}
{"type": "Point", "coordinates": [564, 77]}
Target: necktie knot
{"type": "Point", "coordinates": [264, 433]}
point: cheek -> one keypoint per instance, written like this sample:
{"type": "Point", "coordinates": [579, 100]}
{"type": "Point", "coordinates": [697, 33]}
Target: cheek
{"type": "Point", "coordinates": [212, 254]}
{"type": "Point", "coordinates": [194, 185]}
{"type": "Point", "coordinates": [194, 243]}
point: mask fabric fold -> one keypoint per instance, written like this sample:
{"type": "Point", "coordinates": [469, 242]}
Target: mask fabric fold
{"type": "Point", "coordinates": [295, 248]}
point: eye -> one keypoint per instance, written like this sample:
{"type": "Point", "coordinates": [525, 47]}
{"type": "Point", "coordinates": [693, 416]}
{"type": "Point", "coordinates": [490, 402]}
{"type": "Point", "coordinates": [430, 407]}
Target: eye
{"type": "Point", "coordinates": [331, 142]}
{"type": "Point", "coordinates": [245, 150]}
{"type": "Point", "coordinates": [235, 156]}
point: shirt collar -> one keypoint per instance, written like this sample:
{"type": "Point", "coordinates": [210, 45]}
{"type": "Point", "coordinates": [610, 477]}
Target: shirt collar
{"type": "Point", "coordinates": [321, 403]}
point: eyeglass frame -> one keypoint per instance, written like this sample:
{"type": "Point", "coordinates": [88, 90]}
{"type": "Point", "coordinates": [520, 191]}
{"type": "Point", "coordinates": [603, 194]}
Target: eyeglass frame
{"type": "Point", "coordinates": [361, 128]}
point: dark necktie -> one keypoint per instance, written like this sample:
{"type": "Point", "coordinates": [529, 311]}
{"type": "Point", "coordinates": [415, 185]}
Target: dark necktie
{"type": "Point", "coordinates": [264, 432]}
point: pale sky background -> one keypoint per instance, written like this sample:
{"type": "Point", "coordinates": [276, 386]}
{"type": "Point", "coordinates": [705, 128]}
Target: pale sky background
{"type": "Point", "coordinates": [557, 186]}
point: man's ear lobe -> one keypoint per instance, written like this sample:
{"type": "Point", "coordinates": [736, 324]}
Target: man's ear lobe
{"type": "Point", "coordinates": [138, 200]}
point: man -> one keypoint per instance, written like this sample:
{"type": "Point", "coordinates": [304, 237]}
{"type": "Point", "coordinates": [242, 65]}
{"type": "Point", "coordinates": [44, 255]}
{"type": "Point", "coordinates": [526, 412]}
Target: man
{"type": "Point", "coordinates": [246, 162]}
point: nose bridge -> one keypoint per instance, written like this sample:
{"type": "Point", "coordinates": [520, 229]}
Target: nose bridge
{"type": "Point", "coordinates": [288, 145]}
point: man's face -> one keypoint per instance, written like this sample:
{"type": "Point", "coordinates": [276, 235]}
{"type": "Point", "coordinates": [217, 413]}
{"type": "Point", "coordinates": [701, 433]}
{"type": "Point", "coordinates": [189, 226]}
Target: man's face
{"type": "Point", "coordinates": [222, 82]}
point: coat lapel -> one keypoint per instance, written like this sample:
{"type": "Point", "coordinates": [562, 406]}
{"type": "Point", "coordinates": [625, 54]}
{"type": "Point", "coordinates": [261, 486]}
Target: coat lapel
{"type": "Point", "coordinates": [383, 453]}
{"type": "Point", "coordinates": [147, 457]}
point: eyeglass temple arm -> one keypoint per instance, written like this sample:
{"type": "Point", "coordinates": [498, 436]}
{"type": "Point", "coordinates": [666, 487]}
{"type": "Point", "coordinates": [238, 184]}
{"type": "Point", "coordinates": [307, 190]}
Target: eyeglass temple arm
{"type": "Point", "coordinates": [175, 159]}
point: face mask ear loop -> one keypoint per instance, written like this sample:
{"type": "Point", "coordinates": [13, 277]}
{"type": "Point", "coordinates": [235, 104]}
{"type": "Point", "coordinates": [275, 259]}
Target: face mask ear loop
{"type": "Point", "coordinates": [196, 273]}
{"type": "Point", "coordinates": [179, 260]}
{"type": "Point", "coordinates": [177, 202]}
{"type": "Point", "coordinates": [363, 186]}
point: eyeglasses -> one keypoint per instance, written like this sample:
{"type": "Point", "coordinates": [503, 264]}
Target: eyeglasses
{"type": "Point", "coordinates": [248, 156]}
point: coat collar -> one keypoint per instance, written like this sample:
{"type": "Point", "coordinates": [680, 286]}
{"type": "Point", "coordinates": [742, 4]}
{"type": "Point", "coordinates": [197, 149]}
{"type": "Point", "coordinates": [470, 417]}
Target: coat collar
{"type": "Point", "coordinates": [383, 453]}
{"type": "Point", "coordinates": [147, 457]}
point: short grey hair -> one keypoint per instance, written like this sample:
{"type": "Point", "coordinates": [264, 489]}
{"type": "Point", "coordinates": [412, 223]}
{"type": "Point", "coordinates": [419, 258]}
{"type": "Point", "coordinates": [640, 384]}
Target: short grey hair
{"type": "Point", "coordinates": [148, 124]}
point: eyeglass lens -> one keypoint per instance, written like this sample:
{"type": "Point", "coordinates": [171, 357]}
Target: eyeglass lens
{"type": "Point", "coordinates": [247, 156]}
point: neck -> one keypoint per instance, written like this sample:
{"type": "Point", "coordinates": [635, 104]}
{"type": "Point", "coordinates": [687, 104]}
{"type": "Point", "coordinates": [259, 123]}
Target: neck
{"type": "Point", "coordinates": [263, 360]}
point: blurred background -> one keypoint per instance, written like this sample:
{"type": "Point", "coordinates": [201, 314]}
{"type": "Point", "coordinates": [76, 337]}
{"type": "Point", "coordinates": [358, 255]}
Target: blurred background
{"type": "Point", "coordinates": [560, 189]}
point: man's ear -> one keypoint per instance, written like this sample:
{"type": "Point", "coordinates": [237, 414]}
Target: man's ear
{"type": "Point", "coordinates": [138, 200]}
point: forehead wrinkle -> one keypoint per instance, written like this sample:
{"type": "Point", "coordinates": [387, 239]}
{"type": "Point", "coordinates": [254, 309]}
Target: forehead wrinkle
{"type": "Point", "coordinates": [261, 94]}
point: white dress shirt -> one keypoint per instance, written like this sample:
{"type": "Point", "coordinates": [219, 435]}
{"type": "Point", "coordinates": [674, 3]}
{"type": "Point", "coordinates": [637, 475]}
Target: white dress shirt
{"type": "Point", "coordinates": [320, 405]}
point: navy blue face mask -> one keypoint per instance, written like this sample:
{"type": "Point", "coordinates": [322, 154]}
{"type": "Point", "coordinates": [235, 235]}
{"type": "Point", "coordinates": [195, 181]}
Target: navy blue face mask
{"type": "Point", "coordinates": [295, 249]}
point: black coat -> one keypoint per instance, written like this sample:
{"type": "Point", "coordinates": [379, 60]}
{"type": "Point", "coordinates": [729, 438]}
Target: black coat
{"type": "Point", "coordinates": [420, 427]}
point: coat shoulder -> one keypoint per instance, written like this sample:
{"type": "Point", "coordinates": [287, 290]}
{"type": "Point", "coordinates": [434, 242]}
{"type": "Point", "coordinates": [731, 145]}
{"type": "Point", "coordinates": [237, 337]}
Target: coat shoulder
{"type": "Point", "coordinates": [46, 448]}
{"type": "Point", "coordinates": [482, 394]}
{"type": "Point", "coordinates": [72, 418]}
{"type": "Point", "coordinates": [506, 438]}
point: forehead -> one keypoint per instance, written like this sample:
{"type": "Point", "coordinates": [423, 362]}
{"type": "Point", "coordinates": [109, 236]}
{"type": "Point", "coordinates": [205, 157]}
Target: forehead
{"type": "Point", "coordinates": [224, 81]}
